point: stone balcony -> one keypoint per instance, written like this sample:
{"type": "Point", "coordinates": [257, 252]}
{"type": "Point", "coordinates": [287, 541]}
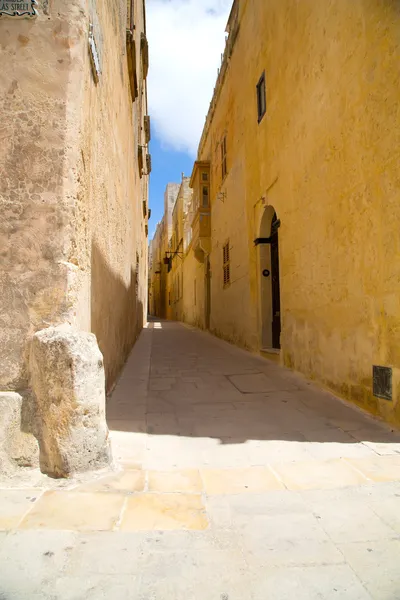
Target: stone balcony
{"type": "Point", "coordinates": [200, 209]}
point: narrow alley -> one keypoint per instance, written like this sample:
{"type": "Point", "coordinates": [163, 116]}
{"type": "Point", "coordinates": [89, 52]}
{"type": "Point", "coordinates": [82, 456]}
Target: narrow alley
{"type": "Point", "coordinates": [235, 479]}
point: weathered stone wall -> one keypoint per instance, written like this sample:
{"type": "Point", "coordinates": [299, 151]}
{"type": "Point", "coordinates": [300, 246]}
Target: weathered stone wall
{"type": "Point", "coordinates": [175, 283]}
{"type": "Point", "coordinates": [325, 157]}
{"type": "Point", "coordinates": [112, 245]}
{"type": "Point", "coordinates": [42, 63]}
{"type": "Point", "coordinates": [193, 304]}
{"type": "Point", "coordinates": [73, 228]}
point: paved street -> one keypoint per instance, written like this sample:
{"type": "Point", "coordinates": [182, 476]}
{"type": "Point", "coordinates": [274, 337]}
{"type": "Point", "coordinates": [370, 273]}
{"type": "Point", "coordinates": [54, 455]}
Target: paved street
{"type": "Point", "coordinates": [234, 479]}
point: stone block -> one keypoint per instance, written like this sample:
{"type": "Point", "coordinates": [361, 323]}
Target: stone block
{"type": "Point", "coordinates": [17, 446]}
{"type": "Point", "coordinates": [75, 511]}
{"type": "Point", "coordinates": [67, 374]}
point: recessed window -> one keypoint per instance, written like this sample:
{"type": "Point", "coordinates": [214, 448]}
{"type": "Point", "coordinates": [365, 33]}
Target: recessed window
{"type": "Point", "coordinates": [224, 169]}
{"type": "Point", "coordinates": [205, 195]}
{"type": "Point", "coordinates": [261, 98]}
{"type": "Point", "coordinates": [129, 14]}
{"type": "Point", "coordinates": [226, 264]}
{"type": "Point", "coordinates": [204, 177]}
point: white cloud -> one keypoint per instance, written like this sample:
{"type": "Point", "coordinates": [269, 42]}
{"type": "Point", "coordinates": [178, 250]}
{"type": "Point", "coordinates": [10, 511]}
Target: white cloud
{"type": "Point", "coordinates": [186, 39]}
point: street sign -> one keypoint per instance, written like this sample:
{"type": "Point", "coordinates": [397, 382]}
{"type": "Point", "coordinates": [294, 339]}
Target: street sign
{"type": "Point", "coordinates": [18, 10]}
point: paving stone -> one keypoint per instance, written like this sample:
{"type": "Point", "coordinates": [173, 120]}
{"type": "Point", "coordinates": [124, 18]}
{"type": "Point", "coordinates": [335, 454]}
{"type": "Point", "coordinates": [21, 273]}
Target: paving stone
{"type": "Point", "coordinates": [75, 511]}
{"type": "Point", "coordinates": [105, 553]}
{"type": "Point", "coordinates": [175, 481]}
{"type": "Point", "coordinates": [14, 504]}
{"type": "Point", "coordinates": [351, 521]}
{"type": "Point", "coordinates": [377, 566]}
{"type": "Point", "coordinates": [318, 474]}
{"type": "Point", "coordinates": [127, 481]}
{"type": "Point", "coordinates": [388, 510]}
{"type": "Point", "coordinates": [255, 383]}
{"type": "Point", "coordinates": [29, 558]}
{"type": "Point", "coordinates": [323, 582]}
{"type": "Point", "coordinates": [379, 468]}
{"type": "Point", "coordinates": [161, 383]}
{"type": "Point", "coordinates": [164, 511]}
{"type": "Point", "coordinates": [129, 424]}
{"type": "Point", "coordinates": [346, 449]}
{"type": "Point", "coordinates": [291, 552]}
{"type": "Point", "coordinates": [269, 531]}
{"type": "Point", "coordinates": [93, 587]}
{"type": "Point", "coordinates": [219, 512]}
{"type": "Point", "coordinates": [267, 504]}
{"type": "Point", "coordinates": [199, 575]}
{"type": "Point", "coordinates": [239, 481]}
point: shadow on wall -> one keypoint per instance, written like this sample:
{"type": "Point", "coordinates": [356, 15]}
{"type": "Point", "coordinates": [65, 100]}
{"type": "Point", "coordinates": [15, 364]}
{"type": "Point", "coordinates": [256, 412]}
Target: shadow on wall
{"type": "Point", "coordinates": [116, 314]}
{"type": "Point", "coordinates": [202, 387]}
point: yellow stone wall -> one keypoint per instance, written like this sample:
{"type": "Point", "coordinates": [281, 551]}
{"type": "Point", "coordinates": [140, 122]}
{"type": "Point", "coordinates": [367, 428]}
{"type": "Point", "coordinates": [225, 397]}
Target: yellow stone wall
{"type": "Point", "coordinates": [155, 271]}
{"type": "Point", "coordinates": [175, 279]}
{"type": "Point", "coordinates": [112, 192]}
{"type": "Point", "coordinates": [325, 157]}
{"type": "Point", "coordinates": [72, 233]}
{"type": "Point", "coordinates": [193, 310]}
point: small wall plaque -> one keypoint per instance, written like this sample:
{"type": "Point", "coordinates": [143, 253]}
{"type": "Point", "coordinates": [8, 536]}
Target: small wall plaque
{"type": "Point", "coordinates": [18, 10]}
{"type": "Point", "coordinates": [382, 382]}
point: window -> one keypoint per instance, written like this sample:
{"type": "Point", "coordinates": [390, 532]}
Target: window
{"type": "Point", "coordinates": [129, 14]}
{"type": "Point", "coordinates": [204, 177]}
{"type": "Point", "coordinates": [224, 170]}
{"type": "Point", "coordinates": [261, 98]}
{"type": "Point", "coordinates": [226, 264]}
{"type": "Point", "coordinates": [205, 195]}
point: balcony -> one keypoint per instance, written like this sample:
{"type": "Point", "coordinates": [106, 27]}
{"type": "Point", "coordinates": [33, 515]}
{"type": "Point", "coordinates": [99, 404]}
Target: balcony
{"type": "Point", "coordinates": [201, 233]}
{"type": "Point", "coordinates": [201, 210]}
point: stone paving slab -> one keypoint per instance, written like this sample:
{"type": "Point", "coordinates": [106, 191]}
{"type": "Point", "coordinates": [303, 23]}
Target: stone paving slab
{"type": "Point", "coordinates": [153, 512]}
{"type": "Point", "coordinates": [14, 505]}
{"type": "Point", "coordinates": [175, 481]}
{"type": "Point", "coordinates": [239, 481]}
{"type": "Point", "coordinates": [75, 511]}
{"type": "Point", "coordinates": [379, 468]}
{"type": "Point", "coordinates": [318, 474]}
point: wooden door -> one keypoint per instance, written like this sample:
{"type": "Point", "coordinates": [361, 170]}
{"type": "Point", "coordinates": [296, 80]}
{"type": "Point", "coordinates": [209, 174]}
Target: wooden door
{"type": "Point", "coordinates": [276, 293]}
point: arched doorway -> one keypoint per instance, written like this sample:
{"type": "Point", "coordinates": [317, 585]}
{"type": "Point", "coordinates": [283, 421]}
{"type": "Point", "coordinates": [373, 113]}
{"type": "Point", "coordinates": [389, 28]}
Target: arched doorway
{"type": "Point", "coordinates": [270, 296]}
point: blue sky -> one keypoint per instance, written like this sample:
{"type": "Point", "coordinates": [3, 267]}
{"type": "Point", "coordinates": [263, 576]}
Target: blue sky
{"type": "Point", "coordinates": [167, 165]}
{"type": "Point", "coordinates": [186, 40]}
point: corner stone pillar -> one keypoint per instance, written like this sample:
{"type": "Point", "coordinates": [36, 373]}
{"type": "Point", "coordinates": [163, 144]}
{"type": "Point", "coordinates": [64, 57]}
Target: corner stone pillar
{"type": "Point", "coordinates": [68, 381]}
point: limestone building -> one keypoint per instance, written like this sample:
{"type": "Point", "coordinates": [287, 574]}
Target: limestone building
{"type": "Point", "coordinates": [155, 293]}
{"type": "Point", "coordinates": [176, 255]}
{"type": "Point", "coordinates": [296, 253]}
{"type": "Point", "coordinates": [74, 168]}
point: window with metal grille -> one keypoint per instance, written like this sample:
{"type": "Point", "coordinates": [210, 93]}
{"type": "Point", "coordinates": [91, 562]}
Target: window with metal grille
{"type": "Point", "coordinates": [226, 264]}
{"type": "Point", "coordinates": [224, 169]}
{"type": "Point", "coordinates": [261, 98]}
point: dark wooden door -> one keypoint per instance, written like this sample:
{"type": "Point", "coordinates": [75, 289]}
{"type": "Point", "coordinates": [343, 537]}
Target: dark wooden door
{"type": "Point", "coordinates": [208, 293]}
{"type": "Point", "coordinates": [276, 293]}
